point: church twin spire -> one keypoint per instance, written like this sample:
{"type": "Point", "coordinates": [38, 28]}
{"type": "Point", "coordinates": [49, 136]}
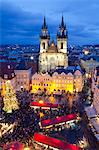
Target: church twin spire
{"type": "Point", "coordinates": [62, 33]}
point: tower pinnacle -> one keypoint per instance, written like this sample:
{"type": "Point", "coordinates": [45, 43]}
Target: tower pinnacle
{"type": "Point", "coordinates": [62, 23]}
{"type": "Point", "coordinates": [62, 32]}
{"type": "Point", "coordinates": [44, 26]}
{"type": "Point", "coordinates": [44, 31]}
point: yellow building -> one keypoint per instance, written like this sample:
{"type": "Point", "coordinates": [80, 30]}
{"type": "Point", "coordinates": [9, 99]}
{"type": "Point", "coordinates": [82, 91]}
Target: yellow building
{"type": "Point", "coordinates": [60, 80]}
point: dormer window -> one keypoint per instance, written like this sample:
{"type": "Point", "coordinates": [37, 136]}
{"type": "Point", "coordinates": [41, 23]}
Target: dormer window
{"type": "Point", "coordinates": [12, 74]}
{"type": "Point", "coordinates": [5, 76]}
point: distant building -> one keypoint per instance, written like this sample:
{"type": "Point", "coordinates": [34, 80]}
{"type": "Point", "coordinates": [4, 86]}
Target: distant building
{"type": "Point", "coordinates": [52, 56]}
{"type": "Point", "coordinates": [23, 76]}
{"type": "Point", "coordinates": [89, 63]}
{"type": "Point", "coordinates": [69, 80]}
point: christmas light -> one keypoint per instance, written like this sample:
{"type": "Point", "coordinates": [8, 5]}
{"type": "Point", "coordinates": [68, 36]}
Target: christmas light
{"type": "Point", "coordinates": [10, 100]}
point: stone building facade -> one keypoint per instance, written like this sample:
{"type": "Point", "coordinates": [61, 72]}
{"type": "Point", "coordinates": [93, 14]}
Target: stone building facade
{"type": "Point", "coordinates": [60, 80]}
{"type": "Point", "coordinates": [52, 56]}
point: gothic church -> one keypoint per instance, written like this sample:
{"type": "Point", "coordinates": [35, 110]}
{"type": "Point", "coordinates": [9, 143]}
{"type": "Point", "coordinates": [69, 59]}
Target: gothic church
{"type": "Point", "coordinates": [51, 56]}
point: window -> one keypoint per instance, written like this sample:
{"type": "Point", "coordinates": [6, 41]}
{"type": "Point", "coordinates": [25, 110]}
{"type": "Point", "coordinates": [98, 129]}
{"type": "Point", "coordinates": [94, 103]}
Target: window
{"type": "Point", "coordinates": [61, 45]}
{"type": "Point", "coordinates": [12, 74]}
{"type": "Point", "coordinates": [9, 66]}
{"type": "Point", "coordinates": [5, 76]}
{"type": "Point", "coordinates": [43, 44]}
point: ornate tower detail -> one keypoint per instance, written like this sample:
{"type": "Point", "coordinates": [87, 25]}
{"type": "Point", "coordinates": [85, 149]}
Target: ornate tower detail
{"type": "Point", "coordinates": [62, 37]}
{"type": "Point", "coordinates": [44, 38]}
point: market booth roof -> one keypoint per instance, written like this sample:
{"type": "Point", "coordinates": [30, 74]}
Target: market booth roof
{"type": "Point", "coordinates": [53, 142]}
{"type": "Point", "coordinates": [43, 104]}
{"type": "Point", "coordinates": [57, 120]}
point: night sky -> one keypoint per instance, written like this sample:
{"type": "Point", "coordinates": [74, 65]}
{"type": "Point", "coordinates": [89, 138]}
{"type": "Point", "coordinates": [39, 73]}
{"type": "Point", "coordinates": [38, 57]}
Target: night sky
{"type": "Point", "coordinates": [21, 20]}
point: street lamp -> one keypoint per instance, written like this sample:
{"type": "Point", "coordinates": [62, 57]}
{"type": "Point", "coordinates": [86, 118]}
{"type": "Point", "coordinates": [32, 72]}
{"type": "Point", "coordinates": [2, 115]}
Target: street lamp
{"type": "Point", "coordinates": [41, 102]}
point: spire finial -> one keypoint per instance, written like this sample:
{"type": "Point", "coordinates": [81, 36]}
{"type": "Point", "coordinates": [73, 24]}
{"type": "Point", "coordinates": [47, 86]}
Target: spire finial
{"type": "Point", "coordinates": [62, 23]}
{"type": "Point", "coordinates": [44, 23]}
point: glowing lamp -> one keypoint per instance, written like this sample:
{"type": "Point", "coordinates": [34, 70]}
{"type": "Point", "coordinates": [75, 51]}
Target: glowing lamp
{"type": "Point", "coordinates": [41, 102]}
{"type": "Point", "coordinates": [26, 148]}
{"type": "Point", "coordinates": [31, 57]}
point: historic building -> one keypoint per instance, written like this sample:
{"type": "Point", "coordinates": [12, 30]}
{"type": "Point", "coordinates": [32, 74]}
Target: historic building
{"type": "Point", "coordinates": [52, 56]}
{"type": "Point", "coordinates": [23, 76]}
{"type": "Point", "coordinates": [89, 63]}
{"type": "Point", "coordinates": [68, 80]}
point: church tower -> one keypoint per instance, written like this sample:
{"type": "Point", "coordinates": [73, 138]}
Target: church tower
{"type": "Point", "coordinates": [44, 38]}
{"type": "Point", "coordinates": [53, 56]}
{"type": "Point", "coordinates": [62, 38]}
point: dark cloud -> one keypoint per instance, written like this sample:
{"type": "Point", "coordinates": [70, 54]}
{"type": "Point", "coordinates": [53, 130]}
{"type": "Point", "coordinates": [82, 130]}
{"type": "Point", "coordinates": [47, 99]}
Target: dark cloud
{"type": "Point", "coordinates": [21, 20]}
{"type": "Point", "coordinates": [18, 25]}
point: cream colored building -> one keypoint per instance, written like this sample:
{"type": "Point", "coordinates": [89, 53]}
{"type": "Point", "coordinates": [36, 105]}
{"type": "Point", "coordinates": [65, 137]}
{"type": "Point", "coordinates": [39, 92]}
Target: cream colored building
{"type": "Point", "coordinates": [23, 76]}
{"type": "Point", "coordinates": [60, 80]}
{"type": "Point", "coordinates": [53, 56]}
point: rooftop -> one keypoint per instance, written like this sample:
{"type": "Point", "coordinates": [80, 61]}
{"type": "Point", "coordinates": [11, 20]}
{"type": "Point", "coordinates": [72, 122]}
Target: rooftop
{"type": "Point", "coordinates": [7, 70]}
{"type": "Point", "coordinates": [69, 69]}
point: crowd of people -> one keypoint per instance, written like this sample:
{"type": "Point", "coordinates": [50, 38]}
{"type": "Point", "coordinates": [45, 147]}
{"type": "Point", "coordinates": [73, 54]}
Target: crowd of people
{"type": "Point", "coordinates": [27, 119]}
{"type": "Point", "coordinates": [27, 123]}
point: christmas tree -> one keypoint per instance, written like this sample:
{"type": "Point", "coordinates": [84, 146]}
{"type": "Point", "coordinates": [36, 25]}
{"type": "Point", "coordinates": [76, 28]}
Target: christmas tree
{"type": "Point", "coordinates": [10, 100]}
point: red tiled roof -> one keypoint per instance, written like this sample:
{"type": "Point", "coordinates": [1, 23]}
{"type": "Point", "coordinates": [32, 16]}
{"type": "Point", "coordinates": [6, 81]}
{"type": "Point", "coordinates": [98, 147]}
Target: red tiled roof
{"type": "Point", "coordinates": [54, 142]}
{"type": "Point", "coordinates": [44, 104]}
{"type": "Point", "coordinates": [66, 118]}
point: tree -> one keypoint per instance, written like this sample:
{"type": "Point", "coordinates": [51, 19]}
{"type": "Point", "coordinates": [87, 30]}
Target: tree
{"type": "Point", "coordinates": [10, 100]}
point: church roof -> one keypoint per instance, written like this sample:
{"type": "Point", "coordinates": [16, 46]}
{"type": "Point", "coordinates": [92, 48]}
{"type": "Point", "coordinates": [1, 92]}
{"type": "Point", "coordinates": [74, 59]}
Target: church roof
{"type": "Point", "coordinates": [52, 48]}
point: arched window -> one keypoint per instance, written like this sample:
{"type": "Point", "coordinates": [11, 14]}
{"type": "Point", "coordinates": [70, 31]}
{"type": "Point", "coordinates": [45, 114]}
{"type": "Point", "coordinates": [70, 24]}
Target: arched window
{"type": "Point", "coordinates": [61, 45]}
{"type": "Point", "coordinates": [43, 44]}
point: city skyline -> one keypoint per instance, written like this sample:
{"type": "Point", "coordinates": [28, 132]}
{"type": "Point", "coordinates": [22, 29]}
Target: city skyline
{"type": "Point", "coordinates": [22, 20]}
